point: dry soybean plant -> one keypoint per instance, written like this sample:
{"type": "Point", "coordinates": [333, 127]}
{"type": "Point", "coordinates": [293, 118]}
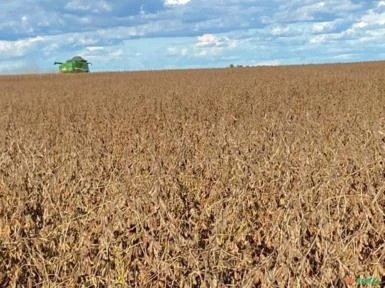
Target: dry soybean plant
{"type": "Point", "coordinates": [252, 177]}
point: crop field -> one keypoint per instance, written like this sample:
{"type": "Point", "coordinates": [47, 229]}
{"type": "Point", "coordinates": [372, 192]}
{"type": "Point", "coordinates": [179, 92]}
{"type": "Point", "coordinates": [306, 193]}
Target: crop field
{"type": "Point", "coordinates": [243, 177]}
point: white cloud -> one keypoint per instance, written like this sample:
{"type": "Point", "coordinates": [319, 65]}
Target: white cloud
{"type": "Point", "coordinates": [372, 18]}
{"type": "Point", "coordinates": [208, 40]}
{"type": "Point", "coordinates": [13, 67]}
{"type": "Point", "coordinates": [322, 38]}
{"type": "Point", "coordinates": [208, 52]}
{"type": "Point", "coordinates": [19, 47]}
{"type": "Point", "coordinates": [95, 48]}
{"type": "Point", "coordinates": [369, 28]}
{"type": "Point", "coordinates": [212, 45]}
{"type": "Point", "coordinates": [322, 27]}
{"type": "Point", "coordinates": [101, 54]}
{"type": "Point", "coordinates": [346, 56]}
{"type": "Point", "coordinates": [184, 51]}
{"type": "Point", "coordinates": [279, 30]}
{"type": "Point", "coordinates": [176, 2]}
{"type": "Point", "coordinates": [310, 10]}
{"type": "Point", "coordinates": [211, 40]}
{"type": "Point", "coordinates": [175, 51]}
{"type": "Point", "coordinates": [290, 30]}
{"type": "Point", "coordinates": [361, 24]}
{"type": "Point", "coordinates": [172, 51]}
{"type": "Point", "coordinates": [268, 63]}
{"type": "Point", "coordinates": [94, 6]}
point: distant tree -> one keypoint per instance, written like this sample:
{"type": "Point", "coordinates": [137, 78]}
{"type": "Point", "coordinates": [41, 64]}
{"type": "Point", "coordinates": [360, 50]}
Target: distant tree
{"type": "Point", "coordinates": [231, 66]}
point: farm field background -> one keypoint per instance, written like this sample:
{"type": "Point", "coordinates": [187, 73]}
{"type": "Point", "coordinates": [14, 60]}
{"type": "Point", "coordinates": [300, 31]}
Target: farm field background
{"type": "Point", "coordinates": [250, 177]}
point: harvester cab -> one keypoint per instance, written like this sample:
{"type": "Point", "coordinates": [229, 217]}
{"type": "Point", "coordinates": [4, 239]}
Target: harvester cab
{"type": "Point", "coordinates": [75, 65]}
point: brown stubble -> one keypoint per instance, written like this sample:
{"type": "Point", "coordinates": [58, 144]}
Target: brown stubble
{"type": "Point", "coordinates": [205, 178]}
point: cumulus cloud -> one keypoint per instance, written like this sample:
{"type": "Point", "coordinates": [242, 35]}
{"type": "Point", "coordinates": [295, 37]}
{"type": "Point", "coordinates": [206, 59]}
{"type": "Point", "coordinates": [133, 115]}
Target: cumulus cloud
{"type": "Point", "coordinates": [280, 30]}
{"type": "Point", "coordinates": [367, 28]}
{"type": "Point", "coordinates": [176, 2]}
{"type": "Point", "coordinates": [268, 63]}
{"type": "Point", "coordinates": [176, 51]}
{"type": "Point", "coordinates": [314, 10]}
{"type": "Point", "coordinates": [94, 6]}
{"type": "Point", "coordinates": [18, 48]}
{"type": "Point", "coordinates": [322, 27]}
{"type": "Point", "coordinates": [210, 40]}
{"type": "Point", "coordinates": [370, 19]}
{"type": "Point", "coordinates": [209, 45]}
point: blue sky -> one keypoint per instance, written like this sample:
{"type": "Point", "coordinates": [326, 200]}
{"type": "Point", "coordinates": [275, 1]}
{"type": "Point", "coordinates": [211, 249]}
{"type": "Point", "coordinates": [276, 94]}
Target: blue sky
{"type": "Point", "coordinates": [165, 34]}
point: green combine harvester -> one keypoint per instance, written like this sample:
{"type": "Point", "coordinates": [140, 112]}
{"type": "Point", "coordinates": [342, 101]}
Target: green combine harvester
{"type": "Point", "coordinates": [75, 65]}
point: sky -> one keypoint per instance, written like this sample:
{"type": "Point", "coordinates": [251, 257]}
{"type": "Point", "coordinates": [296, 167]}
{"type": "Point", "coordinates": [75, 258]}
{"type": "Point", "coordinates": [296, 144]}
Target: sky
{"type": "Point", "coordinates": [117, 35]}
